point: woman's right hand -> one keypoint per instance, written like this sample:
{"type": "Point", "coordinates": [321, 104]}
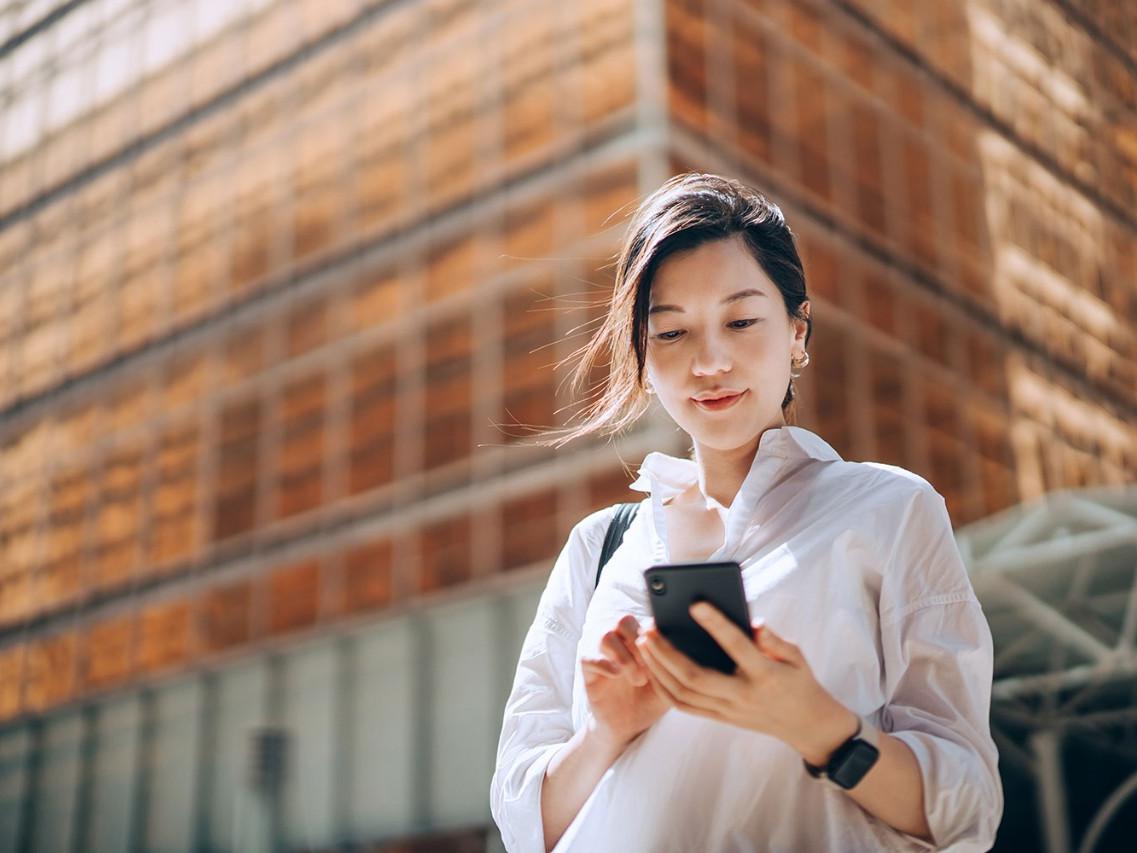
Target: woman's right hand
{"type": "Point", "coordinates": [621, 695]}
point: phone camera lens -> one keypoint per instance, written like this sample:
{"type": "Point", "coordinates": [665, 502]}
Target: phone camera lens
{"type": "Point", "coordinates": [657, 585]}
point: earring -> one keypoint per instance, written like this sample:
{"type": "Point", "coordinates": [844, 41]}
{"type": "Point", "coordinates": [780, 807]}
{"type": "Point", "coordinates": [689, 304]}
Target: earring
{"type": "Point", "coordinates": [648, 387]}
{"type": "Point", "coordinates": [798, 364]}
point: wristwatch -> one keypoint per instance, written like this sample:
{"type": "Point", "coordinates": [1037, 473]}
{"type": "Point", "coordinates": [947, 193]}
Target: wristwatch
{"type": "Point", "coordinates": [852, 759]}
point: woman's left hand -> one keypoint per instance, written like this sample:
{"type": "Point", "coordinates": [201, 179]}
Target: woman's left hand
{"type": "Point", "coordinates": [773, 690]}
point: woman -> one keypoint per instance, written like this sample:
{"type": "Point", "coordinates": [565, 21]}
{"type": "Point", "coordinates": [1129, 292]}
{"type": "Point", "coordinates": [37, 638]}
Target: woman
{"type": "Point", "coordinates": [858, 716]}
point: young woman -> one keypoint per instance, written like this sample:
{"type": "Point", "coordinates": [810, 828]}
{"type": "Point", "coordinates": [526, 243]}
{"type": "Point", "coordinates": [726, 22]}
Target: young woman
{"type": "Point", "coordinates": [858, 716]}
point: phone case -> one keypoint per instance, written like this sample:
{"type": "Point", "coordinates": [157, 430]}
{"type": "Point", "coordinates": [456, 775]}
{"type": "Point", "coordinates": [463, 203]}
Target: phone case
{"type": "Point", "coordinates": [673, 588]}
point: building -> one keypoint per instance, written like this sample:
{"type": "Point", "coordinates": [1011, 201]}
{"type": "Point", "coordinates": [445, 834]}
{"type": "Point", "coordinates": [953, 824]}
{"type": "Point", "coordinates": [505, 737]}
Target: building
{"type": "Point", "coordinates": [271, 272]}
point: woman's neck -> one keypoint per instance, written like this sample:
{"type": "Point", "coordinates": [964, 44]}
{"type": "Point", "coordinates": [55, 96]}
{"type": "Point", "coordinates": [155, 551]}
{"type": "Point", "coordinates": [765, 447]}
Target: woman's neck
{"type": "Point", "coordinates": [722, 472]}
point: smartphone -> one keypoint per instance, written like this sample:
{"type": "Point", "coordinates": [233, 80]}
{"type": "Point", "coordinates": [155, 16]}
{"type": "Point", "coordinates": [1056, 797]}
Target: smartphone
{"type": "Point", "coordinates": [674, 587]}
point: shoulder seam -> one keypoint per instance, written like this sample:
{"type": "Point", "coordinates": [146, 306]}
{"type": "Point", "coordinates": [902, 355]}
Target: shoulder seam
{"type": "Point", "coordinates": [963, 595]}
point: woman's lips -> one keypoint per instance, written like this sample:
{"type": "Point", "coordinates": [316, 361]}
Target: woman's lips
{"type": "Point", "coordinates": [721, 403]}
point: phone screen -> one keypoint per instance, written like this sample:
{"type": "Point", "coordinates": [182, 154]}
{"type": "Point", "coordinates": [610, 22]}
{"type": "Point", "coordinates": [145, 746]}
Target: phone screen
{"type": "Point", "coordinates": [673, 588]}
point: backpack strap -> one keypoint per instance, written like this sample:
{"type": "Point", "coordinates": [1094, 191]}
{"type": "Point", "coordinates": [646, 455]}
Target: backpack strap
{"type": "Point", "coordinates": [621, 520]}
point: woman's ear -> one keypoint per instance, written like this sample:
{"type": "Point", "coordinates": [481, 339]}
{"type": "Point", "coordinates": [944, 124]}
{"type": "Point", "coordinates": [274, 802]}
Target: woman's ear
{"type": "Point", "coordinates": [801, 327]}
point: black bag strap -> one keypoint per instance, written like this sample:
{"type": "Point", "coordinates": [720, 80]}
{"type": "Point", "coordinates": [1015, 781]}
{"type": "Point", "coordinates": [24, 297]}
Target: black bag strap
{"type": "Point", "coordinates": [616, 529]}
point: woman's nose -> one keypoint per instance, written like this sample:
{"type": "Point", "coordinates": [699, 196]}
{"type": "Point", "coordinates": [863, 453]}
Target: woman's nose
{"type": "Point", "coordinates": [711, 356]}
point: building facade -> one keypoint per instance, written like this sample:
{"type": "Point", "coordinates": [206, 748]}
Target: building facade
{"type": "Point", "coordinates": [281, 284]}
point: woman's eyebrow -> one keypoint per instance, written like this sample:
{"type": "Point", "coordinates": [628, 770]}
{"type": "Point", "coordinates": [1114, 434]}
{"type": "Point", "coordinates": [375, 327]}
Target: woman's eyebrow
{"type": "Point", "coordinates": [734, 297]}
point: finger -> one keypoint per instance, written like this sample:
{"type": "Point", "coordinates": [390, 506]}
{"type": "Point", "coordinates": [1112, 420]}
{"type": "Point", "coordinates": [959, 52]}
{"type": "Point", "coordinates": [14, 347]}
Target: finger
{"type": "Point", "coordinates": [629, 629]}
{"type": "Point", "coordinates": [615, 650]}
{"type": "Point", "coordinates": [657, 687]}
{"type": "Point", "coordinates": [613, 647]}
{"type": "Point", "coordinates": [714, 686]}
{"type": "Point", "coordinates": [777, 648]}
{"type": "Point", "coordinates": [599, 666]}
{"type": "Point", "coordinates": [738, 646]}
{"type": "Point", "coordinates": [672, 691]}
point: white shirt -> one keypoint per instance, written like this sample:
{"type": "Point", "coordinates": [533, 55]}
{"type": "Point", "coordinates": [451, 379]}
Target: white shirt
{"type": "Point", "coordinates": [856, 563]}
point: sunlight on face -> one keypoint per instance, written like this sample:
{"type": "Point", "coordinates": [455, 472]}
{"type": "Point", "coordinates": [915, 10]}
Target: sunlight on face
{"type": "Point", "coordinates": [717, 323]}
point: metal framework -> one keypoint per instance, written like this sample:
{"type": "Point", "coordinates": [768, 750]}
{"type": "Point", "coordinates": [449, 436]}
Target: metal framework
{"type": "Point", "coordinates": [1058, 582]}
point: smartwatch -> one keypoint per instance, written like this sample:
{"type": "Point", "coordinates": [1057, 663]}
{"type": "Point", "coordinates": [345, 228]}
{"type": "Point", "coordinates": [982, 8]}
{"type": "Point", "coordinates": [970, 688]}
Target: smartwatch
{"type": "Point", "coordinates": [852, 759]}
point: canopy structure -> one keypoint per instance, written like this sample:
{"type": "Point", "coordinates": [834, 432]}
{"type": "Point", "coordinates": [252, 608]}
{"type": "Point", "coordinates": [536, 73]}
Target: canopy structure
{"type": "Point", "coordinates": [1058, 581]}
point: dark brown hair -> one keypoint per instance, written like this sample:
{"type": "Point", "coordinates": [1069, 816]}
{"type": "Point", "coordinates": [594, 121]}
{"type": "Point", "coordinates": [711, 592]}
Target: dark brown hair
{"type": "Point", "coordinates": [686, 211]}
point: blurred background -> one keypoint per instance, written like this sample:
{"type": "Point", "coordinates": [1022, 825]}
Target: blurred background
{"type": "Point", "coordinates": [273, 273]}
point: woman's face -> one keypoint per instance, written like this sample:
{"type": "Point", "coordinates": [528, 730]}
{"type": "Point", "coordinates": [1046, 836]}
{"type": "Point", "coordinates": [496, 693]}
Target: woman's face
{"type": "Point", "coordinates": [718, 325]}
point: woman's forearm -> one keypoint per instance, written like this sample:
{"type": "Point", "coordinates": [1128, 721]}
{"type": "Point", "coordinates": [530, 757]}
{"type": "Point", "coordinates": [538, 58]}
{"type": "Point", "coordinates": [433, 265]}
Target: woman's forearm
{"type": "Point", "coordinates": [893, 789]}
{"type": "Point", "coordinates": [571, 776]}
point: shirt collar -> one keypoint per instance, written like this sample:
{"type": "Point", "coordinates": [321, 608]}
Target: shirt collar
{"type": "Point", "coordinates": [664, 475]}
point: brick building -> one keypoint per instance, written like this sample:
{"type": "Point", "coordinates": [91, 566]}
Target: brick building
{"type": "Point", "coordinates": [270, 273]}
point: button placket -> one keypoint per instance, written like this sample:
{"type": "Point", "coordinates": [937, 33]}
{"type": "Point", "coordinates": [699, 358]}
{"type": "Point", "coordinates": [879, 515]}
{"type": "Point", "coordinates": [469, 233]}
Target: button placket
{"type": "Point", "coordinates": [661, 549]}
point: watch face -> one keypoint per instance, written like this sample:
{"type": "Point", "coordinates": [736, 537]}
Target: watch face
{"type": "Point", "coordinates": [848, 768]}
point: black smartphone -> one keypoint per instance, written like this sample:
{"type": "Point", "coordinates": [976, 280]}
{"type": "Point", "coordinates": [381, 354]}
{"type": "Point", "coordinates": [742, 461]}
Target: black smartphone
{"type": "Point", "coordinates": [674, 587]}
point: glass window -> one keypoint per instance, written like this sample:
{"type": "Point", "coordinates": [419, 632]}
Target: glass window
{"type": "Point", "coordinates": [241, 697]}
{"type": "Point", "coordinates": [384, 745]}
{"type": "Point", "coordinates": [14, 746]}
{"type": "Point", "coordinates": [170, 792]}
{"type": "Point", "coordinates": [463, 734]}
{"type": "Point", "coordinates": [310, 693]}
{"type": "Point", "coordinates": [58, 783]}
{"type": "Point", "coordinates": [115, 761]}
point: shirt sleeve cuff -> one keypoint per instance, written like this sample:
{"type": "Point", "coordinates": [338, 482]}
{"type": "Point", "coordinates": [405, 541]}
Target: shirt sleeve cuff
{"type": "Point", "coordinates": [519, 816]}
{"type": "Point", "coordinates": [941, 797]}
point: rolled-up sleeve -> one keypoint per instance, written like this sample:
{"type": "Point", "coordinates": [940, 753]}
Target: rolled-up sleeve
{"type": "Point", "coordinates": [538, 713]}
{"type": "Point", "coordinates": [938, 659]}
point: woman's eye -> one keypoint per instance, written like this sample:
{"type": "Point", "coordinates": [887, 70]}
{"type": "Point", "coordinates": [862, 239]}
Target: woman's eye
{"type": "Point", "coordinates": [674, 335]}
